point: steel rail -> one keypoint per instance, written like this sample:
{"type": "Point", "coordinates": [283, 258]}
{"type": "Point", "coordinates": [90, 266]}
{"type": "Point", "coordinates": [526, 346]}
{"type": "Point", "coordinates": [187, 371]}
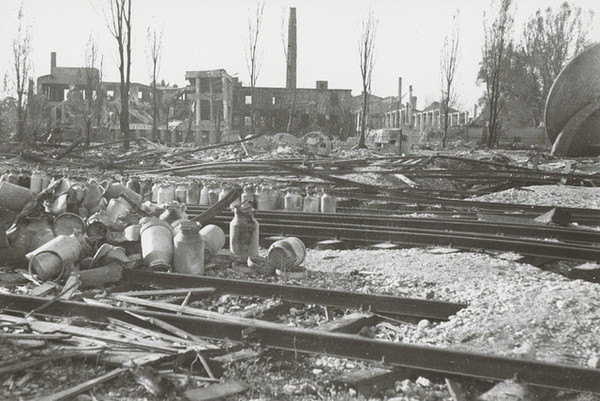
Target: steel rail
{"type": "Point", "coordinates": [579, 215]}
{"type": "Point", "coordinates": [474, 174]}
{"type": "Point", "coordinates": [425, 358]}
{"type": "Point", "coordinates": [423, 308]}
{"type": "Point", "coordinates": [374, 221]}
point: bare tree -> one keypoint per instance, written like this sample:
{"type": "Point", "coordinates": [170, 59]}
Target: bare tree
{"type": "Point", "coordinates": [549, 40]}
{"type": "Point", "coordinates": [154, 50]}
{"type": "Point", "coordinates": [449, 60]}
{"type": "Point", "coordinates": [21, 48]}
{"type": "Point", "coordinates": [366, 51]}
{"type": "Point", "coordinates": [252, 57]}
{"type": "Point", "coordinates": [120, 28]}
{"type": "Point", "coordinates": [92, 87]}
{"type": "Point", "coordinates": [495, 65]}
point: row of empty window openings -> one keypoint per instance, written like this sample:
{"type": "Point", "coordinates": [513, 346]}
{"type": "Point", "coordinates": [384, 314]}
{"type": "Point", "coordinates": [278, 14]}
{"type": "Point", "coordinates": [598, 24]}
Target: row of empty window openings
{"type": "Point", "coordinates": [334, 100]}
{"type": "Point", "coordinates": [248, 100]}
{"type": "Point", "coordinates": [109, 94]}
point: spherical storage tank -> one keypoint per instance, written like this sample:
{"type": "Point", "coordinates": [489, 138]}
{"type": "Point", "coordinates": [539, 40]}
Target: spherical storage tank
{"type": "Point", "coordinates": [572, 114]}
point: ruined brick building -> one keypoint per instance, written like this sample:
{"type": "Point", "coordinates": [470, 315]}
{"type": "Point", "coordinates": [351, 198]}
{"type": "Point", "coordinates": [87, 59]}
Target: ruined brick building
{"type": "Point", "coordinates": [215, 106]}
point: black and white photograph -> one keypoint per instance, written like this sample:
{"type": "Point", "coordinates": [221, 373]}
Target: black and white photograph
{"type": "Point", "coordinates": [316, 200]}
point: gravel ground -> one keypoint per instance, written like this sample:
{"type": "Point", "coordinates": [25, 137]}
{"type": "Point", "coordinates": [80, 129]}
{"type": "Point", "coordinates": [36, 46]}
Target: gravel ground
{"type": "Point", "coordinates": [550, 195]}
{"type": "Point", "coordinates": [510, 304]}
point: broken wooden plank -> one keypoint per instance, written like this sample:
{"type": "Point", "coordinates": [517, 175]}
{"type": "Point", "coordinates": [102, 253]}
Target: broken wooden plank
{"type": "Point", "coordinates": [237, 356]}
{"type": "Point", "coordinates": [30, 336]}
{"type": "Point", "coordinates": [130, 358]}
{"type": "Point", "coordinates": [406, 180]}
{"type": "Point", "coordinates": [83, 387]}
{"type": "Point", "coordinates": [168, 327]}
{"type": "Point", "coordinates": [44, 289]}
{"type": "Point", "coordinates": [351, 323]}
{"type": "Point", "coordinates": [172, 291]}
{"type": "Point", "coordinates": [25, 379]}
{"type": "Point", "coordinates": [384, 246]}
{"type": "Point", "coordinates": [330, 244]}
{"type": "Point", "coordinates": [72, 284]}
{"type": "Point", "coordinates": [216, 391]}
{"type": "Point", "coordinates": [186, 377]}
{"type": "Point", "coordinates": [195, 312]}
{"type": "Point", "coordinates": [87, 332]}
{"type": "Point", "coordinates": [58, 296]}
{"type": "Point", "coordinates": [137, 330]}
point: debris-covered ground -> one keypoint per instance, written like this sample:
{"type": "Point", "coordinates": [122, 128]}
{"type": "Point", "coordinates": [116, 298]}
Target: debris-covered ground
{"type": "Point", "coordinates": [514, 309]}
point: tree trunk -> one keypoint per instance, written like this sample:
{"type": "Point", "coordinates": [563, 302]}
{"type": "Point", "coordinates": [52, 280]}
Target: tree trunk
{"type": "Point", "coordinates": [20, 137]}
{"type": "Point", "coordinates": [363, 121]}
{"type": "Point", "coordinates": [154, 111]}
{"type": "Point", "coordinates": [124, 116]}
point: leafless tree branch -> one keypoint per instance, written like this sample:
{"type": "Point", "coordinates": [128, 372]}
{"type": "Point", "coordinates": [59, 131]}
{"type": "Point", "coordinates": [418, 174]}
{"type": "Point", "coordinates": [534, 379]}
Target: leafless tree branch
{"type": "Point", "coordinates": [252, 57]}
{"type": "Point", "coordinates": [449, 61]}
{"type": "Point", "coordinates": [366, 51]}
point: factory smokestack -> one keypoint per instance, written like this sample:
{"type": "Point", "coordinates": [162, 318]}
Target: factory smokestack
{"type": "Point", "coordinates": [290, 82]}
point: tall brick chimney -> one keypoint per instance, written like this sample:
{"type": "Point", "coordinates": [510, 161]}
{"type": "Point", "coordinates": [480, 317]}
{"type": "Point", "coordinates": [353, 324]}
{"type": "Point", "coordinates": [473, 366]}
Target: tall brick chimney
{"type": "Point", "coordinates": [52, 61]}
{"type": "Point", "coordinates": [290, 82]}
{"type": "Point", "coordinates": [400, 90]}
{"type": "Point", "coordinates": [409, 105]}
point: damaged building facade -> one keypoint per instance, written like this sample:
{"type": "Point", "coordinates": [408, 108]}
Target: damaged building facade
{"type": "Point", "coordinates": [295, 110]}
{"type": "Point", "coordinates": [393, 112]}
{"type": "Point", "coordinates": [68, 89]}
{"type": "Point", "coordinates": [292, 109]}
{"type": "Point", "coordinates": [210, 95]}
{"type": "Point", "coordinates": [215, 106]}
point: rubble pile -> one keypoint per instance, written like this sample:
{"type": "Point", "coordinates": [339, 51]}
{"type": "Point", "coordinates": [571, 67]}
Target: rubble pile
{"type": "Point", "coordinates": [72, 234]}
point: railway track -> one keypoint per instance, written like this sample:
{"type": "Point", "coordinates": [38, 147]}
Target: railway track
{"type": "Point", "coordinates": [445, 361]}
{"type": "Point", "coordinates": [572, 244]}
{"type": "Point", "coordinates": [415, 307]}
{"type": "Point", "coordinates": [590, 217]}
{"type": "Point", "coordinates": [531, 230]}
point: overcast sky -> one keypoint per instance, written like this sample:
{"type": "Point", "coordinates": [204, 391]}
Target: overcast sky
{"type": "Point", "coordinates": [211, 34]}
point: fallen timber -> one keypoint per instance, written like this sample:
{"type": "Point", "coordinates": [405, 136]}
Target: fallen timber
{"type": "Point", "coordinates": [438, 360]}
{"type": "Point", "coordinates": [531, 230]}
{"type": "Point", "coordinates": [422, 308]}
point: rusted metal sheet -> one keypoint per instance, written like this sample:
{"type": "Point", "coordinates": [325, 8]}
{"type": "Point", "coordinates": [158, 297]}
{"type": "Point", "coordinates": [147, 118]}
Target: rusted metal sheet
{"type": "Point", "coordinates": [572, 115]}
